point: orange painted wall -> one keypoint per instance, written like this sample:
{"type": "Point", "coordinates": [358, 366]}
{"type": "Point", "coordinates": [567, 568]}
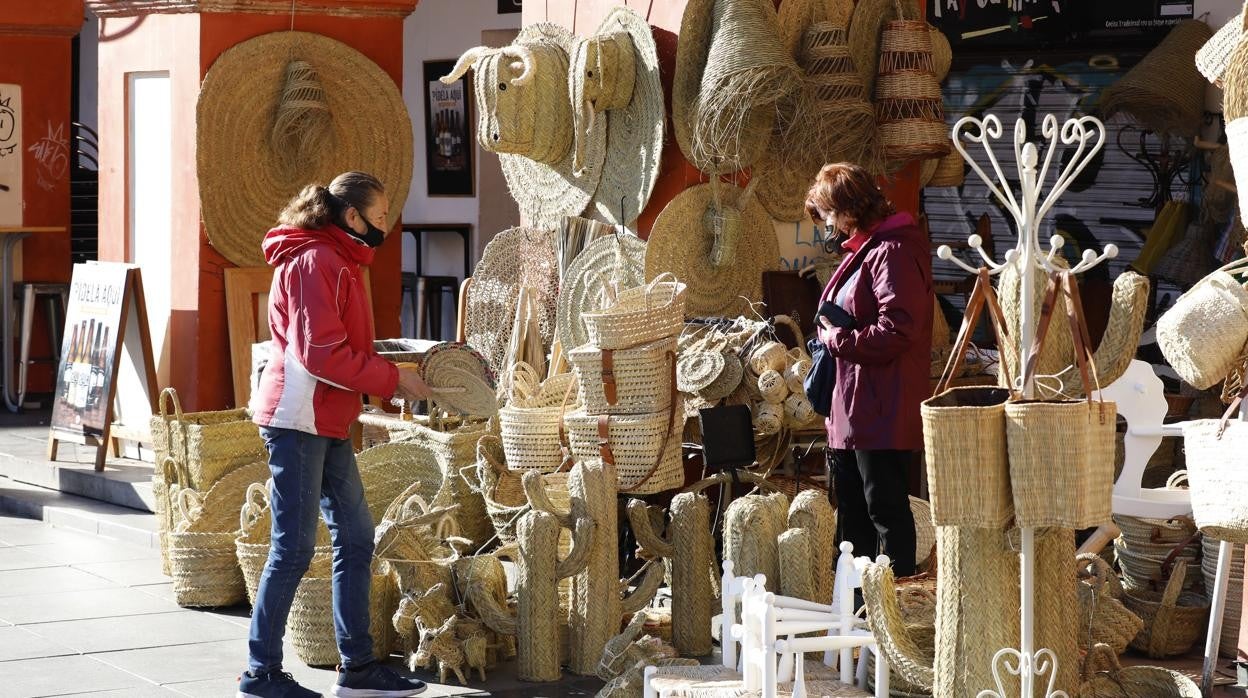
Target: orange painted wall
{"type": "Point", "coordinates": [36, 53]}
{"type": "Point", "coordinates": [664, 16]}
{"type": "Point", "coordinates": [186, 45]}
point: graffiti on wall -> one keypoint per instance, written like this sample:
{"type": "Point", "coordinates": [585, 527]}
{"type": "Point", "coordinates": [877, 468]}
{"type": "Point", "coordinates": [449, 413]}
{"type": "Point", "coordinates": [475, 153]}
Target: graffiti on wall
{"type": "Point", "coordinates": [51, 153]}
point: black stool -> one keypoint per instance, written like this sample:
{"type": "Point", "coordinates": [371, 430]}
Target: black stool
{"type": "Point", "coordinates": [426, 294]}
{"type": "Point", "coordinates": [56, 299]}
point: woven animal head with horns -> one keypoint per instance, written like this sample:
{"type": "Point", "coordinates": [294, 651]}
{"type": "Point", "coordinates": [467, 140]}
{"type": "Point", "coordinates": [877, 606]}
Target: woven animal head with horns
{"type": "Point", "coordinates": [522, 99]}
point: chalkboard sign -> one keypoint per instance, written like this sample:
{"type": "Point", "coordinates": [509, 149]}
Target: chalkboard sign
{"type": "Point", "coordinates": [106, 342]}
{"type": "Point", "coordinates": [1020, 24]}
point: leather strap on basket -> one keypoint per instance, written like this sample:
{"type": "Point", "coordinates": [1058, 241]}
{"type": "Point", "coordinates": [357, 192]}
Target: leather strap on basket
{"type": "Point", "coordinates": [671, 424]}
{"type": "Point", "coordinates": [1230, 410]}
{"type": "Point", "coordinates": [1065, 284]}
{"type": "Point", "coordinates": [608, 376]}
{"type": "Point", "coordinates": [982, 295]}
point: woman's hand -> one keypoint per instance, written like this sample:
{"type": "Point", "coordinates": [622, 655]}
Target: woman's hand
{"type": "Point", "coordinates": [824, 330]}
{"type": "Point", "coordinates": [412, 387]}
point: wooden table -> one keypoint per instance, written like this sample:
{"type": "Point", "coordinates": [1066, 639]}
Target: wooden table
{"type": "Point", "coordinates": [11, 237]}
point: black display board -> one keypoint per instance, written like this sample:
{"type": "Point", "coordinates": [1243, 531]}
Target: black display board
{"type": "Point", "coordinates": [1021, 24]}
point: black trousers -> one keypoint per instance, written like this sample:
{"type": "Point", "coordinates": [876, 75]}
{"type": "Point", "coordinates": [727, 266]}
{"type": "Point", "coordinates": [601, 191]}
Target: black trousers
{"type": "Point", "coordinates": [873, 504]}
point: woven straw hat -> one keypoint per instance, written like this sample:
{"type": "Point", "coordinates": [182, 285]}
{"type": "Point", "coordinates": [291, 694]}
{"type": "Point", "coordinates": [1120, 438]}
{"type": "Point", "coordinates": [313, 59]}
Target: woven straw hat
{"type": "Point", "coordinates": [615, 258]}
{"type": "Point", "coordinates": [515, 257]}
{"type": "Point", "coordinates": [1164, 91]}
{"type": "Point", "coordinates": [731, 71]}
{"type": "Point", "coordinates": [244, 168]}
{"type": "Point", "coordinates": [684, 239]}
{"type": "Point", "coordinates": [634, 130]}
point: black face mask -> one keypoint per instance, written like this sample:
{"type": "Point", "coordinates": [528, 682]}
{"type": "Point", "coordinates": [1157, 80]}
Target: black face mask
{"type": "Point", "coordinates": [372, 235]}
{"type": "Point", "coordinates": [833, 240]}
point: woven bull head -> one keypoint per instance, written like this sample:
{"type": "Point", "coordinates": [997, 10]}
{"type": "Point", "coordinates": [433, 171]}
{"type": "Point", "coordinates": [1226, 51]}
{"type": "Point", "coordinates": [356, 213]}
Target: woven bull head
{"type": "Point", "coordinates": [522, 99]}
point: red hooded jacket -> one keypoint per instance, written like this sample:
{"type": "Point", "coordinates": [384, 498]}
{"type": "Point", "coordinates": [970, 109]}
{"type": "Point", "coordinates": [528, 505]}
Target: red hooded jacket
{"type": "Point", "coordinates": [322, 357]}
{"type": "Point", "coordinates": [882, 366]}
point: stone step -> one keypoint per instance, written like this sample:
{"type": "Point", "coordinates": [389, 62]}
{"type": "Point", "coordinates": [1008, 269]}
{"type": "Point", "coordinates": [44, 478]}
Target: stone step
{"type": "Point", "coordinates": [125, 483]}
{"type": "Point", "coordinates": [78, 513]}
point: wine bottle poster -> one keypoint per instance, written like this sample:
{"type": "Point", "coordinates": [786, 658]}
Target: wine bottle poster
{"type": "Point", "coordinates": [91, 339]}
{"type": "Point", "coordinates": [449, 141]}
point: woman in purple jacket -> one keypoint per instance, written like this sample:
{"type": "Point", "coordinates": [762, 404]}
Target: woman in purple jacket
{"type": "Point", "coordinates": [880, 335]}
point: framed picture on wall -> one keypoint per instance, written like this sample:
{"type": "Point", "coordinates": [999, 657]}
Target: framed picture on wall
{"type": "Point", "coordinates": [506, 7]}
{"type": "Point", "coordinates": [449, 143]}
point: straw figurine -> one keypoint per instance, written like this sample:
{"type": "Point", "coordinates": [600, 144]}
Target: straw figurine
{"type": "Point", "coordinates": [441, 645]}
{"type": "Point", "coordinates": [812, 512]}
{"type": "Point", "coordinates": [752, 526]}
{"type": "Point", "coordinates": [689, 550]}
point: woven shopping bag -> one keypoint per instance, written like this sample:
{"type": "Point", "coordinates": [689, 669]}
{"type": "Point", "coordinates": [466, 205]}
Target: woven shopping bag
{"type": "Point", "coordinates": [1062, 451]}
{"type": "Point", "coordinates": [1203, 333]}
{"type": "Point", "coordinates": [968, 467]}
{"type": "Point", "coordinates": [1217, 474]}
{"type": "Point", "coordinates": [207, 444]}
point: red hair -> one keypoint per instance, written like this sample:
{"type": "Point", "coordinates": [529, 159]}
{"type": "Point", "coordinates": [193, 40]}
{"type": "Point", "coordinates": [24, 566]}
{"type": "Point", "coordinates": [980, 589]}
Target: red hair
{"type": "Point", "coordinates": [850, 192]}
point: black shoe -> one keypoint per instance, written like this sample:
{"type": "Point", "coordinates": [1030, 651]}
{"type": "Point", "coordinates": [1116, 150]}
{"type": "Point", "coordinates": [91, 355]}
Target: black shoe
{"type": "Point", "coordinates": [272, 684]}
{"type": "Point", "coordinates": [375, 680]}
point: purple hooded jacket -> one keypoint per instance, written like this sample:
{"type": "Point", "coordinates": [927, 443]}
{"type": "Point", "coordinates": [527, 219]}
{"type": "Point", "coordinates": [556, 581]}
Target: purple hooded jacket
{"type": "Point", "coordinates": [883, 366]}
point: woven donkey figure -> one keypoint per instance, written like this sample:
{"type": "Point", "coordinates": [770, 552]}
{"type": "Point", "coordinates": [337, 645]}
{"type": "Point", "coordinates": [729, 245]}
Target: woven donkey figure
{"type": "Point", "coordinates": [599, 598]}
{"type": "Point", "coordinates": [689, 550]}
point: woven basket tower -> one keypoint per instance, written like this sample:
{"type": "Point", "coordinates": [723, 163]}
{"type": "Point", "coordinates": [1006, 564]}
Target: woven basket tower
{"type": "Point", "coordinates": [909, 107]}
{"type": "Point", "coordinates": [690, 552]}
{"type": "Point", "coordinates": [752, 526]}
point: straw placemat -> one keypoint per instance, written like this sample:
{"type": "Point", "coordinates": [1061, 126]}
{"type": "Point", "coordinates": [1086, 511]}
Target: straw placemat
{"type": "Point", "coordinates": [683, 239]}
{"type": "Point", "coordinates": [615, 259]}
{"type": "Point", "coordinates": [634, 133]}
{"type": "Point", "coordinates": [545, 193]}
{"type": "Point", "coordinates": [515, 257]}
{"type": "Point", "coordinates": [243, 184]}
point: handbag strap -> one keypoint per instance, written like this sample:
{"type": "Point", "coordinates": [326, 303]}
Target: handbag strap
{"type": "Point", "coordinates": [982, 296]}
{"type": "Point", "coordinates": [1230, 410]}
{"type": "Point", "coordinates": [608, 376]}
{"type": "Point", "coordinates": [671, 424]}
{"type": "Point", "coordinates": [1084, 358]}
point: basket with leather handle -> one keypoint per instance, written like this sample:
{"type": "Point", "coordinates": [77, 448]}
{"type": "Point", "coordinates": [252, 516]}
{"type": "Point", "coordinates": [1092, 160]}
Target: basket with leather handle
{"type": "Point", "coordinates": [625, 381]}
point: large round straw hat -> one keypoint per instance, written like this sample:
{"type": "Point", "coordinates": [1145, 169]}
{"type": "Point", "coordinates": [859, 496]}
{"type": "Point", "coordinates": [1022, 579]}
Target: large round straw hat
{"type": "Point", "coordinates": [244, 181]}
{"type": "Point", "coordinates": [515, 257]}
{"type": "Point", "coordinates": [685, 241]}
{"type": "Point", "coordinates": [634, 132]}
{"type": "Point", "coordinates": [731, 72]}
{"type": "Point", "coordinates": [544, 192]}
{"type": "Point", "coordinates": [615, 258]}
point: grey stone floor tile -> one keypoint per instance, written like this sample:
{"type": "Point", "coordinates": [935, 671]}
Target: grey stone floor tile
{"type": "Point", "coordinates": [182, 663]}
{"type": "Point", "coordinates": [136, 692]}
{"type": "Point", "coordinates": [208, 688]}
{"type": "Point", "coordinates": [129, 572]}
{"type": "Point", "coordinates": [238, 615]}
{"type": "Point", "coordinates": [97, 550]}
{"type": "Point", "coordinates": [56, 676]}
{"type": "Point", "coordinates": [21, 558]}
{"type": "Point", "coordinates": [22, 534]}
{"type": "Point", "coordinates": [81, 605]}
{"type": "Point", "coordinates": [161, 591]}
{"type": "Point", "coordinates": [7, 520]}
{"type": "Point", "coordinates": [19, 643]}
{"type": "Point", "coordinates": [138, 632]}
{"type": "Point", "coordinates": [49, 580]}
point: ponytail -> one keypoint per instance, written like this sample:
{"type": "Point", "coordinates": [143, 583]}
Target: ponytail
{"type": "Point", "coordinates": [316, 206]}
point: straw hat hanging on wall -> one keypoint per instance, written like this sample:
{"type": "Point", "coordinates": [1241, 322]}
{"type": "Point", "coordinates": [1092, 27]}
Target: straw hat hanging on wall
{"type": "Point", "coordinates": [718, 240]}
{"type": "Point", "coordinates": [525, 115]}
{"type": "Point", "coordinates": [282, 110]}
{"type": "Point", "coordinates": [615, 86]}
{"type": "Point", "coordinates": [731, 71]}
{"type": "Point", "coordinates": [1164, 91]}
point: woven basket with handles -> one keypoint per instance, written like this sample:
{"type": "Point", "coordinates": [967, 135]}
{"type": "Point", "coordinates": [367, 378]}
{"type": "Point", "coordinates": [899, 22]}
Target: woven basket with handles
{"type": "Point", "coordinates": [207, 444]}
{"type": "Point", "coordinates": [640, 315]}
{"type": "Point", "coordinates": [1173, 620]}
{"type": "Point", "coordinates": [625, 381]}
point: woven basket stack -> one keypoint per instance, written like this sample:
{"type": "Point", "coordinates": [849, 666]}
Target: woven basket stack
{"type": "Point", "coordinates": [909, 106]}
{"type": "Point", "coordinates": [1146, 544]}
{"type": "Point", "coordinates": [631, 414]}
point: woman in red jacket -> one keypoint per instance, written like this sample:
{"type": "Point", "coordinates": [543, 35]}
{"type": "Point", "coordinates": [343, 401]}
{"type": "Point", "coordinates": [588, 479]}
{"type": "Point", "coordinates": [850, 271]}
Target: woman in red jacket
{"type": "Point", "coordinates": [880, 334]}
{"type": "Point", "coordinates": [308, 397]}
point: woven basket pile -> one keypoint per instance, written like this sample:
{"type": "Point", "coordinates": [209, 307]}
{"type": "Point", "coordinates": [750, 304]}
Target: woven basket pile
{"type": "Point", "coordinates": [1145, 544]}
{"type": "Point", "coordinates": [251, 545]}
{"type": "Point", "coordinates": [626, 376]}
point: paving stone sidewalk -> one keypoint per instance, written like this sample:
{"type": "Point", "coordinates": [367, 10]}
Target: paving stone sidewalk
{"type": "Point", "coordinates": [85, 615]}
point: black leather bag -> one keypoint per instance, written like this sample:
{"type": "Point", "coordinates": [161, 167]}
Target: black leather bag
{"type": "Point", "coordinates": [822, 377]}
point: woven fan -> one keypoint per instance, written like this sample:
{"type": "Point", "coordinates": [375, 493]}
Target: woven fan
{"type": "Point", "coordinates": [458, 390]}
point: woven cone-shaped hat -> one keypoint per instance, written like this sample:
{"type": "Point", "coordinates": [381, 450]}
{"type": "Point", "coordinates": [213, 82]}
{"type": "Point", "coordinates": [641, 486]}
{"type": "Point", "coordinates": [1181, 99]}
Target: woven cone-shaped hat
{"type": "Point", "coordinates": [546, 192]}
{"type": "Point", "coordinates": [243, 184]}
{"type": "Point", "coordinates": [1164, 91]}
{"type": "Point", "coordinates": [634, 140]}
{"type": "Point", "coordinates": [685, 238]}
{"type": "Point", "coordinates": [616, 259]}
{"type": "Point", "coordinates": [731, 71]}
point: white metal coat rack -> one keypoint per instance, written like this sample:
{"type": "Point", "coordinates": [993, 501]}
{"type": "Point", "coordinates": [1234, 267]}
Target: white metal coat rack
{"type": "Point", "coordinates": [1087, 135]}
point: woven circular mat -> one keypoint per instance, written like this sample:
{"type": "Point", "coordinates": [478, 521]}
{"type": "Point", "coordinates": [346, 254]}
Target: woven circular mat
{"type": "Point", "coordinates": [242, 188]}
{"type": "Point", "coordinates": [515, 257]}
{"type": "Point", "coordinates": [545, 193]}
{"type": "Point", "coordinates": [634, 133]}
{"type": "Point", "coordinates": [681, 242]}
{"type": "Point", "coordinates": [620, 259]}
{"type": "Point", "coordinates": [696, 370]}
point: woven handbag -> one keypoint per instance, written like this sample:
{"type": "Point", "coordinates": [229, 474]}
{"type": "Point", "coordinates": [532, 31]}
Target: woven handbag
{"type": "Point", "coordinates": [1102, 616]}
{"type": "Point", "coordinates": [1103, 677]}
{"type": "Point", "coordinates": [625, 381]}
{"type": "Point", "coordinates": [1215, 470]}
{"type": "Point", "coordinates": [207, 444]}
{"type": "Point", "coordinates": [251, 546]}
{"type": "Point", "coordinates": [640, 315]}
{"type": "Point", "coordinates": [532, 421]}
{"type": "Point", "coordinates": [1205, 330]}
{"type": "Point", "coordinates": [1173, 619]}
{"type": "Point", "coordinates": [1062, 451]}
{"type": "Point", "coordinates": [968, 467]}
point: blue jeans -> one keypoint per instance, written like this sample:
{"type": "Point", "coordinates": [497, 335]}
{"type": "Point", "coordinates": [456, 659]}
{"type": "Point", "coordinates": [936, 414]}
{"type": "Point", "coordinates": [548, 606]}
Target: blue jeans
{"type": "Point", "coordinates": [312, 475]}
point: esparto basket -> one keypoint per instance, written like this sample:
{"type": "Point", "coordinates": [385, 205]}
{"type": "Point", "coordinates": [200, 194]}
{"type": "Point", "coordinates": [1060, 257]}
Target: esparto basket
{"type": "Point", "coordinates": [207, 444]}
{"type": "Point", "coordinates": [252, 544]}
{"type": "Point", "coordinates": [311, 620]}
{"type": "Point", "coordinates": [1104, 678]}
{"type": "Point", "coordinates": [1216, 468]}
{"type": "Point", "coordinates": [646, 448]}
{"type": "Point", "coordinates": [1173, 620]}
{"type": "Point", "coordinates": [625, 381]}
{"type": "Point", "coordinates": [205, 569]}
{"type": "Point", "coordinates": [640, 315]}
{"type": "Point", "coordinates": [532, 423]}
